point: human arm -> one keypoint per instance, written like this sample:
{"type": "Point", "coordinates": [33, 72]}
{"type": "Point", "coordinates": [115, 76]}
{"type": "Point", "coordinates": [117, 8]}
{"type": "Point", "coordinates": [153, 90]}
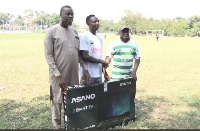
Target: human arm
{"type": "Point", "coordinates": [86, 74]}
{"type": "Point", "coordinates": [106, 76]}
{"type": "Point", "coordinates": [136, 65]}
{"type": "Point", "coordinates": [87, 57]}
{"type": "Point", "coordinates": [49, 51]}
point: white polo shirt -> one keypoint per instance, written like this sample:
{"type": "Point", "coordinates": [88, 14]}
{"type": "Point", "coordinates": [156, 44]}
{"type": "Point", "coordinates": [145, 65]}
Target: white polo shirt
{"type": "Point", "coordinates": [94, 45]}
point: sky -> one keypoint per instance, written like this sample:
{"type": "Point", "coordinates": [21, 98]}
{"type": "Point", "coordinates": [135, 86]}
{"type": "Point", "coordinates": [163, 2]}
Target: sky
{"type": "Point", "coordinates": [107, 9]}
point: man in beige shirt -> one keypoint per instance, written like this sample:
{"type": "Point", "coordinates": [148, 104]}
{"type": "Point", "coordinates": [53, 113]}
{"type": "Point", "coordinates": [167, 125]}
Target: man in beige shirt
{"type": "Point", "coordinates": [61, 46]}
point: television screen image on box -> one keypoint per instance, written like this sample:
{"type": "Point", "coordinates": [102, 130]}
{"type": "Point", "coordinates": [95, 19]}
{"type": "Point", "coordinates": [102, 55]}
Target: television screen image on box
{"type": "Point", "coordinates": [113, 105]}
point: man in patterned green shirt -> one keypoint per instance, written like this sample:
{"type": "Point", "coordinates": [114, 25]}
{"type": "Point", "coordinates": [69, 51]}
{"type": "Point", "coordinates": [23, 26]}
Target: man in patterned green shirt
{"type": "Point", "coordinates": [125, 53]}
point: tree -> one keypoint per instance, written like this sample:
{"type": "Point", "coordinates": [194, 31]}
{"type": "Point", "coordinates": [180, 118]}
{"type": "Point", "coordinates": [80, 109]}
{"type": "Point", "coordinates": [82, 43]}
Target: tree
{"type": "Point", "coordinates": [6, 18]}
{"type": "Point", "coordinates": [132, 20]}
{"type": "Point", "coordinates": [47, 19]}
{"type": "Point", "coordinates": [194, 23]}
{"type": "Point", "coordinates": [105, 26]}
{"type": "Point", "coordinates": [143, 26]}
{"type": "Point", "coordinates": [194, 19]}
{"type": "Point", "coordinates": [183, 26]}
{"type": "Point", "coordinates": [19, 21]}
{"type": "Point", "coordinates": [117, 25]}
{"type": "Point", "coordinates": [75, 26]}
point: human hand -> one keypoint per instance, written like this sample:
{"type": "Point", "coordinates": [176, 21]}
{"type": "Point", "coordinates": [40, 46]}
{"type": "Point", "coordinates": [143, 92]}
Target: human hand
{"type": "Point", "coordinates": [62, 83]}
{"type": "Point", "coordinates": [106, 77]}
{"type": "Point", "coordinates": [86, 76]}
{"type": "Point", "coordinates": [133, 74]}
{"type": "Point", "coordinates": [104, 63]}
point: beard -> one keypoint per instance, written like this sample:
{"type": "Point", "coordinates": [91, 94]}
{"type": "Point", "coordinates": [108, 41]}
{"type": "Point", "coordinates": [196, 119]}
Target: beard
{"type": "Point", "coordinates": [70, 23]}
{"type": "Point", "coordinates": [125, 39]}
{"type": "Point", "coordinates": [66, 23]}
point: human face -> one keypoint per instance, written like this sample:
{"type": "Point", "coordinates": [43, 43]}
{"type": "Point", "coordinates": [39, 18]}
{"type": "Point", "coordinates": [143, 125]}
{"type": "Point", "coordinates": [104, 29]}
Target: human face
{"type": "Point", "coordinates": [93, 24]}
{"type": "Point", "coordinates": [124, 35]}
{"type": "Point", "coordinates": [67, 16]}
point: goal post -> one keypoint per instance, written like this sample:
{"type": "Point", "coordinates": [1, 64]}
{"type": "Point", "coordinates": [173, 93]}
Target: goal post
{"type": "Point", "coordinates": [152, 32]}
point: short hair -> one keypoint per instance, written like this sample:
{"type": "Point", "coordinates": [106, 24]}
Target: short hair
{"type": "Point", "coordinates": [66, 6]}
{"type": "Point", "coordinates": [88, 18]}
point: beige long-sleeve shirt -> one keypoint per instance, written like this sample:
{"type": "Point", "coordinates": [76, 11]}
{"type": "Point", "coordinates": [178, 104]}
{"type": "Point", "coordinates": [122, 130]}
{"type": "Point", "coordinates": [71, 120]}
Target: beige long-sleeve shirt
{"type": "Point", "coordinates": [62, 55]}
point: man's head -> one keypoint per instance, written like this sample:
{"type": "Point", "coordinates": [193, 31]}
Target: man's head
{"type": "Point", "coordinates": [93, 22]}
{"type": "Point", "coordinates": [124, 33]}
{"type": "Point", "coordinates": [67, 16]}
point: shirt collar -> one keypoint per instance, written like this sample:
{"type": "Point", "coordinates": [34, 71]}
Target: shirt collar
{"type": "Point", "coordinates": [125, 43]}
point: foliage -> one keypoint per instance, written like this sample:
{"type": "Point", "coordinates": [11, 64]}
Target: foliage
{"type": "Point", "coordinates": [194, 24]}
{"type": "Point", "coordinates": [19, 21]}
{"type": "Point", "coordinates": [117, 25]}
{"type": "Point", "coordinates": [132, 20]}
{"type": "Point", "coordinates": [75, 26]}
{"type": "Point", "coordinates": [106, 26]}
{"type": "Point", "coordinates": [5, 18]}
{"type": "Point", "coordinates": [135, 21]}
{"type": "Point", "coordinates": [47, 19]}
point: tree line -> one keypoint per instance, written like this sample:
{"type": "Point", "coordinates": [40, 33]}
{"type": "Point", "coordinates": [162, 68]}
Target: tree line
{"type": "Point", "coordinates": [138, 24]}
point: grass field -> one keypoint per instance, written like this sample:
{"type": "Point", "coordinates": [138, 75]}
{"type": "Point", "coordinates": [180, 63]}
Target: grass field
{"type": "Point", "coordinates": [168, 85]}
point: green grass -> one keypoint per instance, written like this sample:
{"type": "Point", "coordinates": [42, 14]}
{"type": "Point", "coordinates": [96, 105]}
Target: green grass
{"type": "Point", "coordinates": [168, 84]}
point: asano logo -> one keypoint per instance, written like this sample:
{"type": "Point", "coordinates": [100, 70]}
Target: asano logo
{"type": "Point", "coordinates": [83, 98]}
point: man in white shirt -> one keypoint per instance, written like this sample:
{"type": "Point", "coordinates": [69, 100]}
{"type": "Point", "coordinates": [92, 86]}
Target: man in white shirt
{"type": "Point", "coordinates": [91, 48]}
